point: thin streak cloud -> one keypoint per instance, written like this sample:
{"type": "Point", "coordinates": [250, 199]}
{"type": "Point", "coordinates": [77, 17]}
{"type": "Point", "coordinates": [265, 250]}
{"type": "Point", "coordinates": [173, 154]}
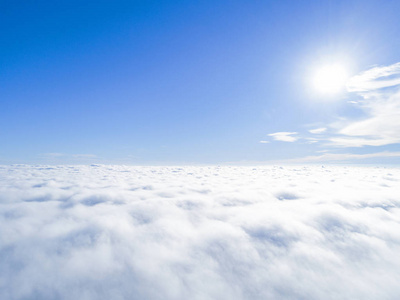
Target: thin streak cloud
{"type": "Point", "coordinates": [318, 130]}
{"type": "Point", "coordinates": [284, 136]}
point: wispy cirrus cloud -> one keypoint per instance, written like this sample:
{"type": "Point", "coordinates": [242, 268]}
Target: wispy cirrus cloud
{"type": "Point", "coordinates": [284, 136]}
{"type": "Point", "coordinates": [380, 127]}
{"type": "Point", "coordinates": [375, 78]}
{"type": "Point", "coordinates": [380, 102]}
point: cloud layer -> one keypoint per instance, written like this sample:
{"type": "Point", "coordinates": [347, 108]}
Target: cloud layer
{"type": "Point", "coordinates": [116, 232]}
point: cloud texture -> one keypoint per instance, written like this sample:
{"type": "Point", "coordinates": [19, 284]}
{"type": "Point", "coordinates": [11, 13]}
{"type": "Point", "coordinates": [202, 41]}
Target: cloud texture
{"type": "Point", "coordinates": [116, 232]}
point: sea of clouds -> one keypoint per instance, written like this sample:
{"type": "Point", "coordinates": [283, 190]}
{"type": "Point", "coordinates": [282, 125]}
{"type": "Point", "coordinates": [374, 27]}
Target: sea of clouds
{"type": "Point", "coordinates": [123, 232]}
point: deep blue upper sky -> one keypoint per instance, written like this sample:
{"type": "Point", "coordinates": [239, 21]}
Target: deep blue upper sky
{"type": "Point", "coordinates": [178, 81]}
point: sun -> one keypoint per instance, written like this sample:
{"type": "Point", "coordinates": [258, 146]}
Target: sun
{"type": "Point", "coordinates": [330, 79]}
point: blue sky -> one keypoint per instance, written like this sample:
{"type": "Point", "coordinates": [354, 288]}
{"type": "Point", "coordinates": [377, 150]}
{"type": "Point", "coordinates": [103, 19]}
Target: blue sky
{"type": "Point", "coordinates": [144, 82]}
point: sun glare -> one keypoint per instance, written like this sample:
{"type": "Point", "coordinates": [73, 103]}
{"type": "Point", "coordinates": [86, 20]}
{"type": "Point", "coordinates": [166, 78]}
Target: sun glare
{"type": "Point", "coordinates": [330, 79]}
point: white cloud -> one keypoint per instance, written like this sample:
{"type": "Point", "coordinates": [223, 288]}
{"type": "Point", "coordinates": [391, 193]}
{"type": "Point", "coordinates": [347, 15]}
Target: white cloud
{"type": "Point", "coordinates": [264, 142]}
{"type": "Point", "coordinates": [318, 130]}
{"type": "Point", "coordinates": [378, 90]}
{"type": "Point", "coordinates": [115, 232]}
{"type": "Point", "coordinates": [284, 136]}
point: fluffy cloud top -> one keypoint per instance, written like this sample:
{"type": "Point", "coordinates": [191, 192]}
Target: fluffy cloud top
{"type": "Point", "coordinates": [284, 136]}
{"type": "Point", "coordinates": [115, 232]}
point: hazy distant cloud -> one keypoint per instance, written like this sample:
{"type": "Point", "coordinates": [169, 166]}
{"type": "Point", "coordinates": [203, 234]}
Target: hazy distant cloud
{"type": "Point", "coordinates": [355, 142]}
{"type": "Point", "coordinates": [60, 157]}
{"type": "Point", "coordinates": [55, 154]}
{"type": "Point", "coordinates": [284, 136]}
{"type": "Point", "coordinates": [318, 130]}
{"type": "Point", "coordinates": [330, 157]}
{"type": "Point", "coordinates": [52, 155]}
{"type": "Point", "coordinates": [264, 142]}
{"type": "Point", "coordinates": [116, 232]}
{"type": "Point", "coordinates": [311, 140]}
{"type": "Point", "coordinates": [84, 155]}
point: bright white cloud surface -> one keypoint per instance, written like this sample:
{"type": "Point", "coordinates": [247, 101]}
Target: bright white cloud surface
{"type": "Point", "coordinates": [116, 232]}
